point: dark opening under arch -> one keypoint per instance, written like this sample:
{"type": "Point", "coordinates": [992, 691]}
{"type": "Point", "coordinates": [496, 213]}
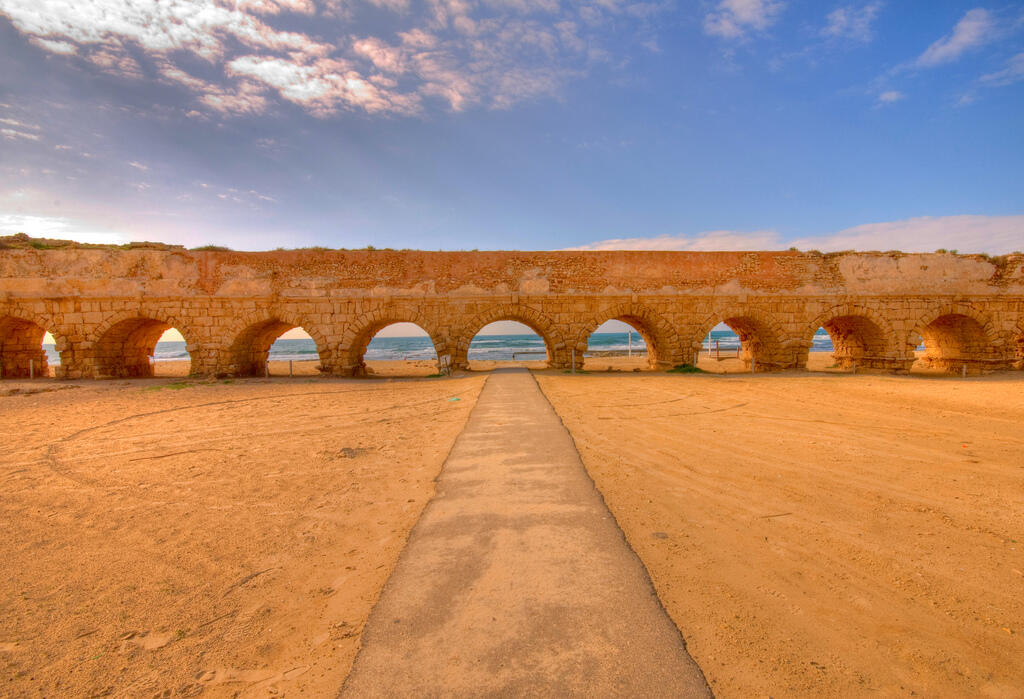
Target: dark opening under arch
{"type": "Point", "coordinates": [759, 347]}
{"type": "Point", "coordinates": [857, 341]}
{"type": "Point", "coordinates": [21, 349]}
{"type": "Point", "coordinates": [953, 342]}
{"type": "Point", "coordinates": [127, 349]}
{"type": "Point", "coordinates": [250, 353]}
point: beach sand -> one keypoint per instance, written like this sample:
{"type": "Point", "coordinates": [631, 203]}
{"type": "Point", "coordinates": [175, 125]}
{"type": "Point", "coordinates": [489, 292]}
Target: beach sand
{"type": "Point", "coordinates": [810, 533]}
{"type": "Point", "coordinates": [727, 364]}
{"type": "Point", "coordinates": [821, 535]}
{"type": "Point", "coordinates": [396, 368]}
{"type": "Point", "coordinates": [186, 535]}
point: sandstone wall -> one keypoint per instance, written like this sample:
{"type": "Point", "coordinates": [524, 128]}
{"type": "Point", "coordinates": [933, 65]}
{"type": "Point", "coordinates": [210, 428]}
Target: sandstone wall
{"type": "Point", "coordinates": [107, 307]}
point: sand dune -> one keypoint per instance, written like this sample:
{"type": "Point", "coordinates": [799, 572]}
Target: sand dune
{"type": "Point", "coordinates": [817, 535]}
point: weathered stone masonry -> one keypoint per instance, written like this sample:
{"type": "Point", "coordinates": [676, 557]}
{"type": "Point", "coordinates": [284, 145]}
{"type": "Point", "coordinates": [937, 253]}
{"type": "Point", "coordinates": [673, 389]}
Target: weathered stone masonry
{"type": "Point", "coordinates": [106, 308]}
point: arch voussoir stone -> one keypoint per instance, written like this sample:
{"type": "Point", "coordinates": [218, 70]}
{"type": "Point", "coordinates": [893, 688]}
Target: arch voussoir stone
{"type": "Point", "coordinates": [659, 335]}
{"type": "Point", "coordinates": [361, 330]}
{"type": "Point", "coordinates": [21, 343]}
{"type": "Point", "coordinates": [960, 337]}
{"type": "Point", "coordinates": [765, 344]}
{"type": "Point", "coordinates": [243, 347]}
{"type": "Point", "coordinates": [121, 344]}
{"type": "Point", "coordinates": [554, 339]}
{"type": "Point", "coordinates": [862, 338]}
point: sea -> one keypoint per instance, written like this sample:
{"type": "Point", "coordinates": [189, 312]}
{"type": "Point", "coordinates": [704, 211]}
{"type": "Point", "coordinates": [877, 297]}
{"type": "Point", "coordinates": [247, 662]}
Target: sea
{"type": "Point", "coordinates": [483, 347]}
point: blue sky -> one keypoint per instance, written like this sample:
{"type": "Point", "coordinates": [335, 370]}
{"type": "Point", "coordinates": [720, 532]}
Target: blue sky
{"type": "Point", "coordinates": [529, 124]}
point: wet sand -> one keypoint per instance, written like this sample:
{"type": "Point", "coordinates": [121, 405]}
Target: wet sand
{"type": "Point", "coordinates": [231, 536]}
{"type": "Point", "coordinates": [821, 535]}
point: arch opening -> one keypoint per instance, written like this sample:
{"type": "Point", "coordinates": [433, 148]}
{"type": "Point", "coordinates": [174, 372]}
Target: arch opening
{"type": "Point", "coordinates": [275, 347]}
{"type": "Point", "coordinates": [850, 342]}
{"type": "Point", "coordinates": [951, 344]}
{"type": "Point", "coordinates": [508, 342]}
{"type": "Point", "coordinates": [141, 348]}
{"type": "Point", "coordinates": [398, 348]}
{"type": "Point", "coordinates": [22, 351]}
{"type": "Point", "coordinates": [622, 343]}
{"type": "Point", "coordinates": [740, 344]}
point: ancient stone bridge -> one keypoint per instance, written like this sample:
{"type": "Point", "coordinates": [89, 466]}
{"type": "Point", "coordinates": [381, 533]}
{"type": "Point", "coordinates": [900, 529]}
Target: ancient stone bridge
{"type": "Point", "coordinates": [107, 308]}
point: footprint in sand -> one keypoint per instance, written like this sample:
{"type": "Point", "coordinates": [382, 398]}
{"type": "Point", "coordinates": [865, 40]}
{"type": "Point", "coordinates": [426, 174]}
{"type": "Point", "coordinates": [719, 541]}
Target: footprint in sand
{"type": "Point", "coordinates": [147, 640]}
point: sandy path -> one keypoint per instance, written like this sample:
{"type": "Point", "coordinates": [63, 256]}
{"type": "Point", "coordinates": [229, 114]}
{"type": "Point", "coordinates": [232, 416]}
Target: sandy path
{"type": "Point", "coordinates": [226, 536]}
{"type": "Point", "coordinates": [516, 581]}
{"type": "Point", "coordinates": [821, 535]}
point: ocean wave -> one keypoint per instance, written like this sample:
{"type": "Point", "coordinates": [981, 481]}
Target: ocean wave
{"type": "Point", "coordinates": [488, 347]}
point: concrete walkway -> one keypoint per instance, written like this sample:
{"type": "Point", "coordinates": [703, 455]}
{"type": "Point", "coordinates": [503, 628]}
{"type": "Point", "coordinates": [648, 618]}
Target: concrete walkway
{"type": "Point", "coordinates": [516, 580]}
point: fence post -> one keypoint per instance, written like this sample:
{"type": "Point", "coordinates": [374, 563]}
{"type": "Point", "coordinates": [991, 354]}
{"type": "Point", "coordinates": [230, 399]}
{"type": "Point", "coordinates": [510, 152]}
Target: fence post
{"type": "Point", "coordinates": [573, 360]}
{"type": "Point", "coordinates": [289, 368]}
{"type": "Point", "coordinates": [32, 368]}
{"type": "Point", "coordinates": [964, 372]}
{"type": "Point", "coordinates": [266, 370]}
{"type": "Point", "coordinates": [753, 365]}
{"type": "Point", "coordinates": [854, 366]}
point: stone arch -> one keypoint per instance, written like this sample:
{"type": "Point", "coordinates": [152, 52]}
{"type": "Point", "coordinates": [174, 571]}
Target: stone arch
{"type": "Point", "coordinates": [21, 343]}
{"type": "Point", "coordinates": [958, 336]}
{"type": "Point", "coordinates": [121, 345]}
{"type": "Point", "coordinates": [662, 340]}
{"type": "Point", "coordinates": [253, 334]}
{"type": "Point", "coordinates": [859, 335]}
{"type": "Point", "coordinates": [359, 332]}
{"type": "Point", "coordinates": [761, 337]}
{"type": "Point", "coordinates": [554, 340]}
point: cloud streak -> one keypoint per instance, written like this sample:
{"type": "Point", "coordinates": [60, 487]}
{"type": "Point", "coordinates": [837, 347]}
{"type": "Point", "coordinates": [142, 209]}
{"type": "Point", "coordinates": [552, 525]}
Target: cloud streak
{"type": "Point", "coordinates": [733, 19]}
{"type": "Point", "coordinates": [853, 22]}
{"type": "Point", "coordinates": [1013, 72]}
{"type": "Point", "coordinates": [890, 96]}
{"type": "Point", "coordinates": [974, 29]}
{"type": "Point", "coordinates": [991, 234]}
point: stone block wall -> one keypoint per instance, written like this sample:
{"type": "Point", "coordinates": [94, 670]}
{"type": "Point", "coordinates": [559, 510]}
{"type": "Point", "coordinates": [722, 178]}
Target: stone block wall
{"type": "Point", "coordinates": [106, 308]}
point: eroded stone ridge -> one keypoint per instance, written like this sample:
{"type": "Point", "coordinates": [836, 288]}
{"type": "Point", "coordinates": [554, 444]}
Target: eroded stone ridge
{"type": "Point", "coordinates": [107, 308]}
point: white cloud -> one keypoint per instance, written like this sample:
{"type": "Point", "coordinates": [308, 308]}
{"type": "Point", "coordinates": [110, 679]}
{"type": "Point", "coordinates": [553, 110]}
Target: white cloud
{"type": "Point", "coordinates": [59, 228]}
{"type": "Point", "coordinates": [320, 86]}
{"type": "Point", "coordinates": [890, 96]}
{"type": "Point", "coordinates": [852, 22]}
{"type": "Point", "coordinates": [974, 29]}
{"type": "Point", "coordinates": [991, 234]}
{"type": "Point", "coordinates": [491, 53]}
{"type": "Point", "coordinates": [708, 240]}
{"type": "Point", "coordinates": [1013, 72]}
{"type": "Point", "coordinates": [733, 18]}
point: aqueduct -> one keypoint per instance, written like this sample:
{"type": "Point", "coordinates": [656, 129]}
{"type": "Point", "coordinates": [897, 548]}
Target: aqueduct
{"type": "Point", "coordinates": [106, 308]}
